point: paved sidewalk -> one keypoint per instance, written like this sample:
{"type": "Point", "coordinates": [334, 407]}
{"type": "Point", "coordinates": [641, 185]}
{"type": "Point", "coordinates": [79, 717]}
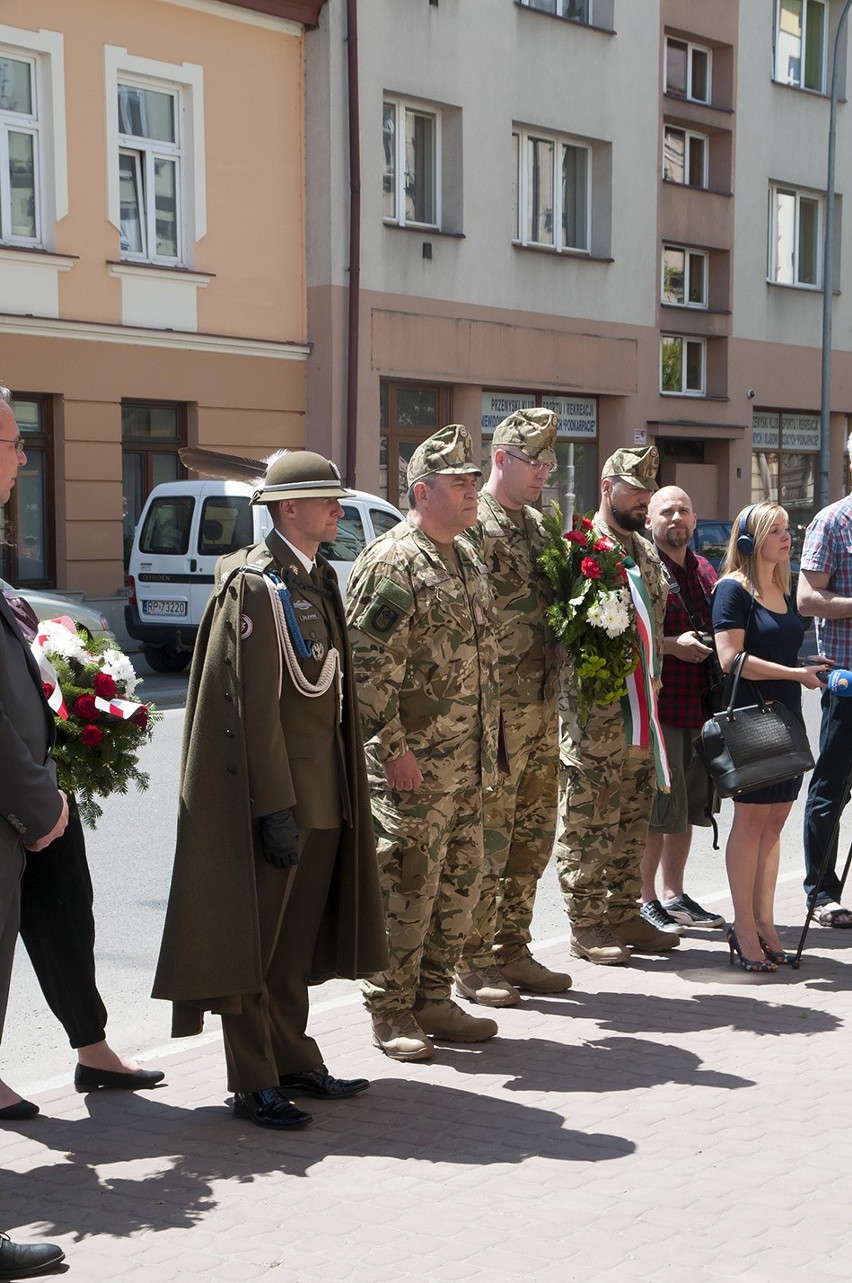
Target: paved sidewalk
{"type": "Point", "coordinates": [661, 1121]}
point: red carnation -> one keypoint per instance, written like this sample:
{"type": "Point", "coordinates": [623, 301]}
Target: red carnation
{"type": "Point", "coordinates": [603, 544]}
{"type": "Point", "coordinates": [621, 575]}
{"type": "Point", "coordinates": [586, 523]}
{"type": "Point", "coordinates": [104, 686]}
{"type": "Point", "coordinates": [91, 735]}
{"type": "Point", "coordinates": [575, 536]}
{"type": "Point", "coordinates": [140, 717]}
{"type": "Point", "coordinates": [590, 568]}
{"type": "Point", "coordinates": [84, 708]}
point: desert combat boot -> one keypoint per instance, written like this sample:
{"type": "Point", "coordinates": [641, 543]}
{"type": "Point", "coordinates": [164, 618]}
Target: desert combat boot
{"type": "Point", "coordinates": [643, 937]}
{"type": "Point", "coordinates": [443, 1019]}
{"type": "Point", "coordinates": [400, 1037]}
{"type": "Point", "coordinates": [525, 973]}
{"type": "Point", "coordinates": [487, 987]}
{"type": "Point", "coordinates": [598, 943]}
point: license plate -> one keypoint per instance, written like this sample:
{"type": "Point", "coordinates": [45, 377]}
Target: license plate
{"type": "Point", "coordinates": [163, 607]}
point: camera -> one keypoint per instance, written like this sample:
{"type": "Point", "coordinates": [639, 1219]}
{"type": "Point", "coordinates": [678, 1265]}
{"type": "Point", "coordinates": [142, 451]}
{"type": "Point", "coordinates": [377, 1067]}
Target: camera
{"type": "Point", "coordinates": [706, 639]}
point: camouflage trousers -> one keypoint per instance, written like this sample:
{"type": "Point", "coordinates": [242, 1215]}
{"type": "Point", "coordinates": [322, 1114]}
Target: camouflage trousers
{"type": "Point", "coordinates": [519, 821]}
{"type": "Point", "coordinates": [429, 848]}
{"type": "Point", "coordinates": [606, 793]}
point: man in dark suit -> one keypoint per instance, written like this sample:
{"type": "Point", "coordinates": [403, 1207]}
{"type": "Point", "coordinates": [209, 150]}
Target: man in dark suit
{"type": "Point", "coordinates": [275, 883]}
{"type": "Point", "coordinates": [33, 811]}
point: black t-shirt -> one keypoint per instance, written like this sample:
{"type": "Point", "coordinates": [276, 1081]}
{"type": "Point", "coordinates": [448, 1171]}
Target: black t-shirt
{"type": "Point", "coordinates": [768, 635]}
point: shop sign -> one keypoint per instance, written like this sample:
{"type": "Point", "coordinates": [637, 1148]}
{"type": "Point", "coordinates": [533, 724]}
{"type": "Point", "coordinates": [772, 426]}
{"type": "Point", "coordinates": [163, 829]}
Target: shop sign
{"type": "Point", "coordinates": [800, 431]}
{"type": "Point", "coordinates": [764, 429]}
{"type": "Point", "coordinates": [575, 416]}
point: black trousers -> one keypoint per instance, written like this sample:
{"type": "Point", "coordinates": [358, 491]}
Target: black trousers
{"type": "Point", "coordinates": [58, 931]}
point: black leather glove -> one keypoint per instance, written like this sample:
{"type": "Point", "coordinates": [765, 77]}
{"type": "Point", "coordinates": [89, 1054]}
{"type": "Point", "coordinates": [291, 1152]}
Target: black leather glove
{"type": "Point", "coordinates": [279, 839]}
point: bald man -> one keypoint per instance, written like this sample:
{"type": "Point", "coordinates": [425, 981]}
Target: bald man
{"type": "Point", "coordinates": [686, 676]}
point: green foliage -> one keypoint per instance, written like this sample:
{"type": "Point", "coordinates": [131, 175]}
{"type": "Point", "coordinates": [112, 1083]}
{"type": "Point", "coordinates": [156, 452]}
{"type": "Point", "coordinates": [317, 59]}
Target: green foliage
{"type": "Point", "coordinates": [588, 578]}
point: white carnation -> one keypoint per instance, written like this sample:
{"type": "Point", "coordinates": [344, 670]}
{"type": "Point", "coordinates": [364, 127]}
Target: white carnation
{"type": "Point", "coordinates": [59, 641]}
{"type": "Point", "coordinates": [610, 612]}
{"type": "Point", "coordinates": [119, 668]}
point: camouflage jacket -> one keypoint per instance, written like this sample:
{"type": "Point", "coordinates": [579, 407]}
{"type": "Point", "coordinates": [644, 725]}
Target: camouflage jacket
{"type": "Point", "coordinates": [425, 656]}
{"type": "Point", "coordinates": [525, 643]}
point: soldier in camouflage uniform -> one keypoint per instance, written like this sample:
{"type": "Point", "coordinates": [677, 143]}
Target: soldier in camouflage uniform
{"type": "Point", "coordinates": [606, 787]}
{"type": "Point", "coordinates": [420, 621]}
{"type": "Point", "coordinates": [520, 813]}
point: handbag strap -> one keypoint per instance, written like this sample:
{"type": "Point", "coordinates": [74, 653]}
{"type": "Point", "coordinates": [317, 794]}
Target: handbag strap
{"type": "Point", "coordinates": [734, 675]}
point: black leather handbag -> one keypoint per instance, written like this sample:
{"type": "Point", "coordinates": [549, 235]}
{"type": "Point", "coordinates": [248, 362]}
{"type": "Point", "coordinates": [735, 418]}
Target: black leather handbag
{"type": "Point", "coordinates": [753, 747]}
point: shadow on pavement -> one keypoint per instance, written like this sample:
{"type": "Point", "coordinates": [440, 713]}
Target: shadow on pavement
{"type": "Point", "coordinates": [397, 1119]}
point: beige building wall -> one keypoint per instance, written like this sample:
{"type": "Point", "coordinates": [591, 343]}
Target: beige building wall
{"type": "Point", "coordinates": [222, 332]}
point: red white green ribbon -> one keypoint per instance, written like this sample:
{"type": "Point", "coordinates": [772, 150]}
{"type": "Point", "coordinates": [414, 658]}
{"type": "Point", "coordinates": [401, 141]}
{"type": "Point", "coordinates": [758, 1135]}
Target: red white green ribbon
{"type": "Point", "coordinates": [123, 708]}
{"type": "Point", "coordinates": [639, 706]}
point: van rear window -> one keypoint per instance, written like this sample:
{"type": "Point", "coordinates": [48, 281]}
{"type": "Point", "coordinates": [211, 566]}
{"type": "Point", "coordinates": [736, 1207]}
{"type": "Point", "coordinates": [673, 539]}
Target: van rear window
{"type": "Point", "coordinates": [166, 526]}
{"type": "Point", "coordinates": [226, 525]}
{"type": "Point", "coordinates": [350, 537]}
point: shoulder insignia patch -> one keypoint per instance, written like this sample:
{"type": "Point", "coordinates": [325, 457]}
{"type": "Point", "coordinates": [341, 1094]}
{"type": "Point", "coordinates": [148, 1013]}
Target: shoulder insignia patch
{"type": "Point", "coordinates": [391, 604]}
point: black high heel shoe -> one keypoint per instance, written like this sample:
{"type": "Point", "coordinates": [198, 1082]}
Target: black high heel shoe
{"type": "Point", "coordinates": [778, 956]}
{"type": "Point", "coordinates": [747, 964]}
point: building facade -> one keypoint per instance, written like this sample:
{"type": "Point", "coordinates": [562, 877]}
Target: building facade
{"type": "Point", "coordinates": [610, 208]}
{"type": "Point", "coordinates": [152, 258]}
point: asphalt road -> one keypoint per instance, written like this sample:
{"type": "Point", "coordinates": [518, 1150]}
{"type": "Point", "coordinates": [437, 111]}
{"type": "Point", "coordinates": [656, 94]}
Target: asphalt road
{"type": "Point", "coordinates": [130, 854]}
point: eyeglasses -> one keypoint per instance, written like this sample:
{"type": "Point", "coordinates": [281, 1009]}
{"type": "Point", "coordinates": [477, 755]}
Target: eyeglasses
{"type": "Point", "coordinates": [17, 445]}
{"type": "Point", "coordinates": [536, 464]}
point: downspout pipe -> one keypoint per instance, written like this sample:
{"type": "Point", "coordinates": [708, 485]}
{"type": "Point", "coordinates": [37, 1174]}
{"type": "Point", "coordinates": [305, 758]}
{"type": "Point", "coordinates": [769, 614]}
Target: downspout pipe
{"type": "Point", "coordinates": [354, 240]}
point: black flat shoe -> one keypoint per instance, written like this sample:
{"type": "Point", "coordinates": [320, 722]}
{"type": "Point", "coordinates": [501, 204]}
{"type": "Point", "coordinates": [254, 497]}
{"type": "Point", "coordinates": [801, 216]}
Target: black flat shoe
{"type": "Point", "coordinates": [20, 1260]}
{"type": "Point", "coordinates": [17, 1113]}
{"type": "Point", "coordinates": [87, 1079]}
{"type": "Point", "coordinates": [269, 1109]}
{"type": "Point", "coordinates": [319, 1082]}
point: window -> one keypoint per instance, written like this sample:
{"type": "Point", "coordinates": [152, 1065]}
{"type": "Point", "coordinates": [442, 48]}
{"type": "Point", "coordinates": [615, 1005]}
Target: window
{"type": "Point", "coordinates": [149, 168]}
{"type": "Point", "coordinates": [27, 520]}
{"type": "Point", "coordinates": [552, 187]}
{"type": "Point", "coordinates": [410, 412]}
{"type": "Point", "coordinates": [685, 157]}
{"type": "Point", "coordinates": [684, 281]}
{"type": "Point", "coordinates": [688, 70]}
{"type": "Point", "coordinates": [795, 237]}
{"type": "Point", "coordinates": [20, 202]}
{"type": "Point", "coordinates": [579, 10]}
{"type": "Point", "coordinates": [152, 432]}
{"type": "Point", "coordinates": [411, 138]}
{"type": "Point", "coordinates": [682, 365]}
{"type": "Point", "coordinates": [801, 33]}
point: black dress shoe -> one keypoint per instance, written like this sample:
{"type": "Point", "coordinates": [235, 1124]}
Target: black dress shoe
{"type": "Point", "coordinates": [19, 1260]}
{"type": "Point", "coordinates": [269, 1109]}
{"type": "Point", "coordinates": [319, 1082]}
{"type": "Point", "coordinates": [87, 1079]}
{"type": "Point", "coordinates": [16, 1113]}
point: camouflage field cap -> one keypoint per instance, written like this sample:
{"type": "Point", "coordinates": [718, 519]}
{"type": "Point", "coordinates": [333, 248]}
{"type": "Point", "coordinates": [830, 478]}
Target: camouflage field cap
{"type": "Point", "coordinates": [450, 450]}
{"type": "Point", "coordinates": [300, 474]}
{"type": "Point", "coordinates": [637, 467]}
{"type": "Point", "coordinates": [533, 431]}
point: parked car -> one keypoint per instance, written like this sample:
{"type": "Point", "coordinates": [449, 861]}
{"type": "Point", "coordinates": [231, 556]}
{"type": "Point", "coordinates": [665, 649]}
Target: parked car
{"type": "Point", "coordinates": [185, 527]}
{"type": "Point", "coordinates": [50, 605]}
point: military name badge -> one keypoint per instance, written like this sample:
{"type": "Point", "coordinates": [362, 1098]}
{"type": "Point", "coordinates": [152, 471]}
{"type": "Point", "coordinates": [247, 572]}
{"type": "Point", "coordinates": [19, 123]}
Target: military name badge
{"type": "Point", "coordinates": [246, 627]}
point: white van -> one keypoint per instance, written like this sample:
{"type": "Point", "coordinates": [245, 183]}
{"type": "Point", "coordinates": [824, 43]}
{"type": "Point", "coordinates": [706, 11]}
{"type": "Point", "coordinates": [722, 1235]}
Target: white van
{"type": "Point", "coordinates": [185, 527]}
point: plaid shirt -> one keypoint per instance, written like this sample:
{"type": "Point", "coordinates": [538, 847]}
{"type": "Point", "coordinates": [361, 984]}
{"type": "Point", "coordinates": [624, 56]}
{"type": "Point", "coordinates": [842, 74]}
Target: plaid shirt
{"type": "Point", "coordinates": [685, 683]}
{"type": "Point", "coordinates": [828, 550]}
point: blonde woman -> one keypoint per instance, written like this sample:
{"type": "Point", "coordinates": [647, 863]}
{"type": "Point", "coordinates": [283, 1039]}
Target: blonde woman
{"type": "Point", "coordinates": [753, 612]}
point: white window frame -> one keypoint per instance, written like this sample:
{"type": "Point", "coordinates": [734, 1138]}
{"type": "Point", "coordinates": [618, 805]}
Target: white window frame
{"type": "Point", "coordinates": [186, 82]}
{"type": "Point", "coordinates": [691, 51]}
{"type": "Point", "coordinates": [686, 341]}
{"type": "Point", "coordinates": [773, 265]}
{"type": "Point", "coordinates": [783, 76]}
{"type": "Point", "coordinates": [561, 9]}
{"type": "Point", "coordinates": [688, 255]}
{"type": "Point", "coordinates": [146, 152]}
{"type": "Point", "coordinates": [44, 52]}
{"type": "Point", "coordinates": [689, 136]}
{"type": "Point", "coordinates": [521, 140]}
{"type": "Point", "coordinates": [402, 107]}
